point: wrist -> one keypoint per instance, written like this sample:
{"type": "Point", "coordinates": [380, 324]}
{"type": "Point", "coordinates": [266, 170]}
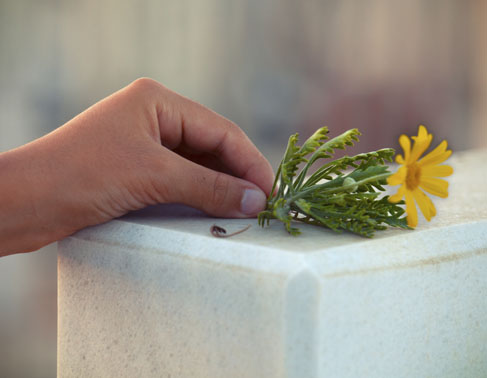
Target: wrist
{"type": "Point", "coordinates": [34, 201]}
{"type": "Point", "coordinates": [20, 230]}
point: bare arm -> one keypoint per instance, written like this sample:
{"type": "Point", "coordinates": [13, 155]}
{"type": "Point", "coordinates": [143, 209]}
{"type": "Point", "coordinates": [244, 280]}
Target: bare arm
{"type": "Point", "coordinates": [142, 145]}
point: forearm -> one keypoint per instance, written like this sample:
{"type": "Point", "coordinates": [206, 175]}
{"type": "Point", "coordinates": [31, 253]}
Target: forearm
{"type": "Point", "coordinates": [123, 154]}
{"type": "Point", "coordinates": [24, 182]}
{"type": "Point", "coordinates": [57, 185]}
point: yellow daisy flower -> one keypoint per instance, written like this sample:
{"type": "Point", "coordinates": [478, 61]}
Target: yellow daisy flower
{"type": "Point", "coordinates": [415, 175]}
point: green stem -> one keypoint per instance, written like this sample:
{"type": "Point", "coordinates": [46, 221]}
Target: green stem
{"type": "Point", "coordinates": [339, 188]}
{"type": "Point", "coordinates": [274, 185]}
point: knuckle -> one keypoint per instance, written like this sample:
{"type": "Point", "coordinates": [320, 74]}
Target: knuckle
{"type": "Point", "coordinates": [234, 128]}
{"type": "Point", "coordinates": [145, 85]}
{"type": "Point", "coordinates": [220, 190]}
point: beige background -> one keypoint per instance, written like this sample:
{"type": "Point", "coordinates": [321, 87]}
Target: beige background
{"type": "Point", "coordinates": [274, 67]}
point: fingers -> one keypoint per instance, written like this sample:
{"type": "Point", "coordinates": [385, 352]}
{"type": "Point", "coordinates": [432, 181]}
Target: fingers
{"type": "Point", "coordinates": [218, 194]}
{"type": "Point", "coordinates": [209, 139]}
{"type": "Point", "coordinates": [185, 122]}
{"type": "Point", "coordinates": [204, 159]}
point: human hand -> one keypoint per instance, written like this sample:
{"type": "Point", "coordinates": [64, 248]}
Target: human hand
{"type": "Point", "coordinates": [140, 146]}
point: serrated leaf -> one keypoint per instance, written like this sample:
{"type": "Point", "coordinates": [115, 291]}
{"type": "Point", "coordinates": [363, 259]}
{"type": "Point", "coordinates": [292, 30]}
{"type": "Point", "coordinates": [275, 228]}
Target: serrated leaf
{"type": "Point", "coordinates": [333, 197]}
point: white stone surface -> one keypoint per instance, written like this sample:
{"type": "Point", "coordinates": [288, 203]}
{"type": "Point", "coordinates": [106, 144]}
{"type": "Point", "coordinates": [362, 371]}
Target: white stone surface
{"type": "Point", "coordinates": [153, 294]}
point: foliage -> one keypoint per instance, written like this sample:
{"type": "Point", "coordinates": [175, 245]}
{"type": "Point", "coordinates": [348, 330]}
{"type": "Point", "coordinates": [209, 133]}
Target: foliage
{"type": "Point", "coordinates": [342, 194]}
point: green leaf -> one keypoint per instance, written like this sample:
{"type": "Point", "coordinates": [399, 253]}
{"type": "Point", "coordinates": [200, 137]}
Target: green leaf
{"type": "Point", "coordinates": [342, 194]}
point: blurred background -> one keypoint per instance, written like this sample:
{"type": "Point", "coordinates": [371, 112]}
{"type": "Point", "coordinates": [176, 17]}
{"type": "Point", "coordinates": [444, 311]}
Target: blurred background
{"type": "Point", "coordinates": [273, 66]}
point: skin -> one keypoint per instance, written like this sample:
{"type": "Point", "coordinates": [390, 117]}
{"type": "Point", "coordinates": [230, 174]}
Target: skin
{"type": "Point", "coordinates": [143, 145]}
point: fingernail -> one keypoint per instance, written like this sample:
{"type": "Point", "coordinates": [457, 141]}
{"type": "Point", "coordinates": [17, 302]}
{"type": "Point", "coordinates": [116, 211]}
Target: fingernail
{"type": "Point", "coordinates": [253, 201]}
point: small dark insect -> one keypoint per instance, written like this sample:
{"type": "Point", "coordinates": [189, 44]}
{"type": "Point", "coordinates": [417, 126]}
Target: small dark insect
{"type": "Point", "coordinates": [220, 232]}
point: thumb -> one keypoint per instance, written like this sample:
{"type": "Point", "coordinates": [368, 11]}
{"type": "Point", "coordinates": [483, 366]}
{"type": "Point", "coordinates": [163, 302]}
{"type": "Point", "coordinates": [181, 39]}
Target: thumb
{"type": "Point", "coordinates": [216, 193]}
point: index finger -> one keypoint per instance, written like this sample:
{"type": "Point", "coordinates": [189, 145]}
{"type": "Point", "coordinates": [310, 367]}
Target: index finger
{"type": "Point", "coordinates": [185, 122]}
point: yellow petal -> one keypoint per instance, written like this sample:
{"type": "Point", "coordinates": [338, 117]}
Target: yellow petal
{"type": "Point", "coordinates": [411, 209]}
{"type": "Point", "coordinates": [406, 146]}
{"type": "Point", "coordinates": [399, 177]}
{"type": "Point", "coordinates": [400, 160]}
{"type": "Point", "coordinates": [425, 204]}
{"type": "Point", "coordinates": [421, 143]}
{"type": "Point", "coordinates": [436, 171]}
{"type": "Point", "coordinates": [437, 187]}
{"type": "Point", "coordinates": [438, 159]}
{"type": "Point", "coordinates": [432, 207]}
{"type": "Point", "coordinates": [437, 156]}
{"type": "Point", "coordinates": [398, 196]}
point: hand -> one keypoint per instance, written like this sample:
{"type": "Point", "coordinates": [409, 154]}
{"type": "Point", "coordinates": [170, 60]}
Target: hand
{"type": "Point", "coordinates": [140, 146]}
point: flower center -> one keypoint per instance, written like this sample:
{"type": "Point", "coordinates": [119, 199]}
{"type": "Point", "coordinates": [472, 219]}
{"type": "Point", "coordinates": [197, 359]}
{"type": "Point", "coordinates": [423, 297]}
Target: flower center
{"type": "Point", "coordinates": [413, 176]}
